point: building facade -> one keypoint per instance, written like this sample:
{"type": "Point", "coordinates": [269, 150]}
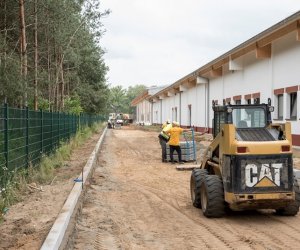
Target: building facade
{"type": "Point", "coordinates": [144, 107]}
{"type": "Point", "coordinates": [265, 66]}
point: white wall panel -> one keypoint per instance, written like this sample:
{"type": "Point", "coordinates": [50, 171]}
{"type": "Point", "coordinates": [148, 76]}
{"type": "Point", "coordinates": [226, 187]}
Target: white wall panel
{"type": "Point", "coordinates": [286, 61]}
{"type": "Point", "coordinates": [202, 104]}
{"type": "Point", "coordinates": [254, 75]}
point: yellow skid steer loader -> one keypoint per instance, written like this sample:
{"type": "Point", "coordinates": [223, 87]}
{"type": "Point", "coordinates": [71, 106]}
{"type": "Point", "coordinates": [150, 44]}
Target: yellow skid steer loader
{"type": "Point", "coordinates": [248, 165]}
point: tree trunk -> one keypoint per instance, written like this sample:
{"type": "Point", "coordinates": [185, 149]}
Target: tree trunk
{"type": "Point", "coordinates": [23, 49]}
{"type": "Point", "coordinates": [62, 85]}
{"type": "Point", "coordinates": [68, 83]}
{"type": "Point", "coordinates": [57, 83]}
{"type": "Point", "coordinates": [35, 57]}
{"type": "Point", "coordinates": [50, 89]}
{"type": "Point", "coordinates": [5, 41]}
{"type": "Point", "coordinates": [49, 71]}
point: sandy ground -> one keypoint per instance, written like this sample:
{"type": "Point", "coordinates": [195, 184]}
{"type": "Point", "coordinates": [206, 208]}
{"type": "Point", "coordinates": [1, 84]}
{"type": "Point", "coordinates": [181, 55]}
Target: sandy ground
{"type": "Point", "coordinates": [27, 223]}
{"type": "Point", "coordinates": [134, 201]}
{"type": "Point", "coordinates": [137, 202]}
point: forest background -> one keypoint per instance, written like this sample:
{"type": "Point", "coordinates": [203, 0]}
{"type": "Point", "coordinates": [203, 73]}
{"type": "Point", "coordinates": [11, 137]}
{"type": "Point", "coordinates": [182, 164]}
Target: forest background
{"type": "Point", "coordinates": [51, 58]}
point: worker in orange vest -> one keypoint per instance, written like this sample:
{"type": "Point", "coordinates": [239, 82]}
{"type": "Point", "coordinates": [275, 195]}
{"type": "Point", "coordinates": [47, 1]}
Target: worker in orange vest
{"type": "Point", "coordinates": [174, 142]}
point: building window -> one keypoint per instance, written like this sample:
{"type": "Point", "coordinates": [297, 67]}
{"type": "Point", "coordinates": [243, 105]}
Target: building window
{"type": "Point", "coordinates": [293, 105]}
{"type": "Point", "coordinates": [256, 100]}
{"type": "Point", "coordinates": [237, 102]}
{"type": "Point", "coordinates": [280, 106]}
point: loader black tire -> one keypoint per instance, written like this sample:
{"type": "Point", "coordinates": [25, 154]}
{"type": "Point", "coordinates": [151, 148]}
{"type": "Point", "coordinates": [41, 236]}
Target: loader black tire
{"type": "Point", "coordinates": [212, 196]}
{"type": "Point", "coordinates": [293, 208]}
{"type": "Point", "coordinates": [196, 181]}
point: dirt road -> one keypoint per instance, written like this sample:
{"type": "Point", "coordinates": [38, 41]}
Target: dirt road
{"type": "Point", "coordinates": [137, 202]}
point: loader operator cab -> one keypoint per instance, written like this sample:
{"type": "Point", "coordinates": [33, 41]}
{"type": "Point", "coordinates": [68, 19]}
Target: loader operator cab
{"type": "Point", "coordinates": [247, 119]}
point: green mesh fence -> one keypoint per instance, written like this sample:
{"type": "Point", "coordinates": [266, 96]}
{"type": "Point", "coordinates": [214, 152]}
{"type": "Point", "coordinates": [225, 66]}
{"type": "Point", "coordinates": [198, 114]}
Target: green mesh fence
{"type": "Point", "coordinates": [25, 135]}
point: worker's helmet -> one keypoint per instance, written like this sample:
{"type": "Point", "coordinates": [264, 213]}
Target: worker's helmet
{"type": "Point", "coordinates": [175, 123]}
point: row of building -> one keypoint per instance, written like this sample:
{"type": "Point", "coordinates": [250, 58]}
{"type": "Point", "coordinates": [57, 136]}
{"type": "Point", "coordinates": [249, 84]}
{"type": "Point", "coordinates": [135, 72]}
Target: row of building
{"type": "Point", "coordinates": [265, 66]}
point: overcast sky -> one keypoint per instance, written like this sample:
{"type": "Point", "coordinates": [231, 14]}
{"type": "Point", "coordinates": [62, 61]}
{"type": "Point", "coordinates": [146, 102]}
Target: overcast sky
{"type": "Point", "coordinates": [157, 42]}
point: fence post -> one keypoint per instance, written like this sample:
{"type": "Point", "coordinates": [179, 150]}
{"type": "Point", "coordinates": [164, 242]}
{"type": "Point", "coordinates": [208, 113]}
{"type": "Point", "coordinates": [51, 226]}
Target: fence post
{"type": "Point", "coordinates": [69, 125]}
{"type": "Point", "coordinates": [51, 130]}
{"type": "Point", "coordinates": [6, 135]}
{"type": "Point", "coordinates": [77, 122]}
{"type": "Point", "coordinates": [73, 124]}
{"type": "Point", "coordinates": [27, 136]}
{"type": "Point", "coordinates": [42, 130]}
{"type": "Point", "coordinates": [64, 136]}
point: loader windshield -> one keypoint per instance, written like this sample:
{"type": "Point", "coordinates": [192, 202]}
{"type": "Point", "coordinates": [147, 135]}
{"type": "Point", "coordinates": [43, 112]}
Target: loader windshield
{"type": "Point", "coordinates": [249, 117]}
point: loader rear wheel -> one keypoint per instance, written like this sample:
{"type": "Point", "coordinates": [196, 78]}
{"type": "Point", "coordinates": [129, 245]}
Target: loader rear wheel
{"type": "Point", "coordinates": [293, 208]}
{"type": "Point", "coordinates": [212, 196]}
{"type": "Point", "coordinates": [196, 181]}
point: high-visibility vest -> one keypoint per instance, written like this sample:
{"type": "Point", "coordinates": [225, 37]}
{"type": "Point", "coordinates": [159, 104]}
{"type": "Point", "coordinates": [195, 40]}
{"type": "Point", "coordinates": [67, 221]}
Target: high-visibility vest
{"type": "Point", "coordinates": [164, 135]}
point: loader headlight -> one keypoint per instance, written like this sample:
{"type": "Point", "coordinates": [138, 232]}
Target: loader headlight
{"type": "Point", "coordinates": [285, 148]}
{"type": "Point", "coordinates": [242, 149]}
{"type": "Point", "coordinates": [271, 108]}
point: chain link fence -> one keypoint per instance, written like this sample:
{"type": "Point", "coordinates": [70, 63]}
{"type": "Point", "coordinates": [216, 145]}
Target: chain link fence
{"type": "Point", "coordinates": [26, 135]}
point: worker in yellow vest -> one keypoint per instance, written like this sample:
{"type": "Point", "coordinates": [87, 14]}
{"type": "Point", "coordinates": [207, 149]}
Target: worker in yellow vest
{"type": "Point", "coordinates": [163, 139]}
{"type": "Point", "coordinates": [175, 132]}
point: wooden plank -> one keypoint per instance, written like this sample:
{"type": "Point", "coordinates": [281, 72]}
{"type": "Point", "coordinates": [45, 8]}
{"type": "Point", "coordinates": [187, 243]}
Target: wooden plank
{"type": "Point", "coordinates": [187, 167]}
{"type": "Point", "coordinates": [277, 34]}
{"type": "Point", "coordinates": [264, 52]}
{"type": "Point", "coordinates": [243, 51]}
{"type": "Point", "coordinates": [216, 72]}
{"type": "Point", "coordinates": [221, 62]}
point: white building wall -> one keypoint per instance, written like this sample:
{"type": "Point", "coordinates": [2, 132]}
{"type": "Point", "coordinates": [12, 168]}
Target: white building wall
{"type": "Point", "coordinates": [263, 75]}
{"type": "Point", "coordinates": [176, 105]}
{"type": "Point", "coordinates": [286, 61]}
{"type": "Point", "coordinates": [216, 93]}
{"type": "Point", "coordinates": [156, 113]}
{"type": "Point", "coordinates": [196, 97]}
{"type": "Point", "coordinates": [168, 103]}
{"type": "Point", "coordinates": [286, 71]}
{"type": "Point", "coordinates": [183, 109]}
{"type": "Point", "coordinates": [281, 70]}
{"type": "Point", "coordinates": [254, 77]}
{"type": "Point", "coordinates": [202, 106]}
{"type": "Point", "coordinates": [143, 112]}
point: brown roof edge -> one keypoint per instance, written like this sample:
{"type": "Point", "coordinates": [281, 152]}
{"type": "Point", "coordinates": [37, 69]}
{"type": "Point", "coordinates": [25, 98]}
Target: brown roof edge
{"type": "Point", "coordinates": [139, 98]}
{"type": "Point", "coordinates": [260, 35]}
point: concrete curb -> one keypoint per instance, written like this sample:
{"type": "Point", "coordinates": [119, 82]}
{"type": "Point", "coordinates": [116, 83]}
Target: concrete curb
{"type": "Point", "coordinates": [58, 230]}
